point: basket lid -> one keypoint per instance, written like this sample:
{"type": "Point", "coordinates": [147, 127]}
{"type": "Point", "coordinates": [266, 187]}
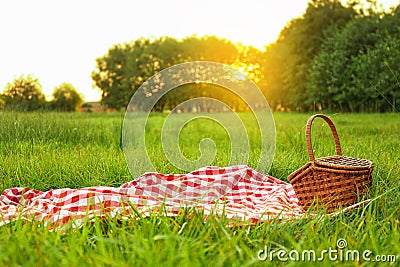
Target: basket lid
{"type": "Point", "coordinates": [344, 162]}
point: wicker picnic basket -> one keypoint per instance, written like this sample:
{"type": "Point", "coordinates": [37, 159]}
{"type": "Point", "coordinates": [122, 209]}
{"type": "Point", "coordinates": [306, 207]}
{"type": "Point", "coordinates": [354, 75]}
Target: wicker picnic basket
{"type": "Point", "coordinates": [331, 182]}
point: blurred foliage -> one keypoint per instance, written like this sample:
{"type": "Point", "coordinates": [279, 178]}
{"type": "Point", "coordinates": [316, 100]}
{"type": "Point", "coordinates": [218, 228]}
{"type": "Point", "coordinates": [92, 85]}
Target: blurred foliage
{"type": "Point", "coordinates": [125, 67]}
{"type": "Point", "coordinates": [336, 57]}
{"type": "Point", "coordinates": [295, 49]}
{"type": "Point", "coordinates": [357, 68]}
{"type": "Point", "coordinates": [66, 98]}
{"type": "Point", "coordinates": [23, 94]}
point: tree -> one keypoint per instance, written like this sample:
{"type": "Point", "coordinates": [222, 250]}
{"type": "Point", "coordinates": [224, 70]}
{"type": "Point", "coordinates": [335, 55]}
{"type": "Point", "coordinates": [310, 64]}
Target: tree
{"type": "Point", "coordinates": [121, 71]}
{"type": "Point", "coordinates": [24, 94]}
{"type": "Point", "coordinates": [297, 45]}
{"type": "Point", "coordinates": [125, 67]}
{"type": "Point", "coordinates": [209, 48]}
{"type": "Point", "coordinates": [66, 98]}
{"type": "Point", "coordinates": [357, 67]}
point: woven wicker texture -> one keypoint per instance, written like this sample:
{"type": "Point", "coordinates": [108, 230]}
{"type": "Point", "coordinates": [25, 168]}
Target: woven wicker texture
{"type": "Point", "coordinates": [331, 182]}
{"type": "Point", "coordinates": [344, 161]}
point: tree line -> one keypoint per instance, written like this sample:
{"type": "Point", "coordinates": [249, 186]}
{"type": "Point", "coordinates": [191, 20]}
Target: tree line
{"type": "Point", "coordinates": [336, 57]}
{"type": "Point", "coordinates": [25, 94]}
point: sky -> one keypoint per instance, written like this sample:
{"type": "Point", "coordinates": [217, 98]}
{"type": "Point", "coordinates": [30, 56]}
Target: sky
{"type": "Point", "coordinates": [59, 41]}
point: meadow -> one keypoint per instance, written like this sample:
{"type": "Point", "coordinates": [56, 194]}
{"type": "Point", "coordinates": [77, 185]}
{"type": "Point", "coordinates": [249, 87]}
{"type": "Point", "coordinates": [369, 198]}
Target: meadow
{"type": "Point", "coordinates": [57, 150]}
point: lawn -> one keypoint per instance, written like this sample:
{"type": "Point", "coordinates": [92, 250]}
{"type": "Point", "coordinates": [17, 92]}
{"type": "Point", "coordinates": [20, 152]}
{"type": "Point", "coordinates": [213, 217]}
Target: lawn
{"type": "Point", "coordinates": [56, 150]}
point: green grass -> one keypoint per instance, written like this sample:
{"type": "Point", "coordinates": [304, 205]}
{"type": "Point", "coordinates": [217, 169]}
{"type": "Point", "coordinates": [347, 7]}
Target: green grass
{"type": "Point", "coordinates": [50, 150]}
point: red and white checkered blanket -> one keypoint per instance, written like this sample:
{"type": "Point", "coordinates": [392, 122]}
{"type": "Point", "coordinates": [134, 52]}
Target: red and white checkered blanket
{"type": "Point", "coordinates": [238, 192]}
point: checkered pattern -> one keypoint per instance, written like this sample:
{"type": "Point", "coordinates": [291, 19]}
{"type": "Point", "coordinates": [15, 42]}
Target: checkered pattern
{"type": "Point", "coordinates": [237, 192]}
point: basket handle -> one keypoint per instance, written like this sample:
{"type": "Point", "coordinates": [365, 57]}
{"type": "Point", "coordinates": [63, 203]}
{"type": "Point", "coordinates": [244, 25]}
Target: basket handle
{"type": "Point", "coordinates": [308, 135]}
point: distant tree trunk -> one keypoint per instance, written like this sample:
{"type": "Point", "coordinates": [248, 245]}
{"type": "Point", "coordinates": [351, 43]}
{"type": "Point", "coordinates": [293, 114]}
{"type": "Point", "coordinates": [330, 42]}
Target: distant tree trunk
{"type": "Point", "coordinates": [394, 104]}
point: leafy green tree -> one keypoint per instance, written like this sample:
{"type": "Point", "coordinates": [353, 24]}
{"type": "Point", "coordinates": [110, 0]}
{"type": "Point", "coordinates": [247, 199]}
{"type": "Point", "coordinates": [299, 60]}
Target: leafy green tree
{"type": "Point", "coordinates": [66, 98]}
{"type": "Point", "coordinates": [24, 94]}
{"type": "Point", "coordinates": [356, 67]}
{"type": "Point", "coordinates": [297, 45]}
{"type": "Point", "coordinates": [125, 67]}
{"type": "Point", "coordinates": [377, 78]}
{"type": "Point", "coordinates": [121, 71]}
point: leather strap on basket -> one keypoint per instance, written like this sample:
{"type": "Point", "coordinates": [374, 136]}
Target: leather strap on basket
{"type": "Point", "coordinates": [308, 135]}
